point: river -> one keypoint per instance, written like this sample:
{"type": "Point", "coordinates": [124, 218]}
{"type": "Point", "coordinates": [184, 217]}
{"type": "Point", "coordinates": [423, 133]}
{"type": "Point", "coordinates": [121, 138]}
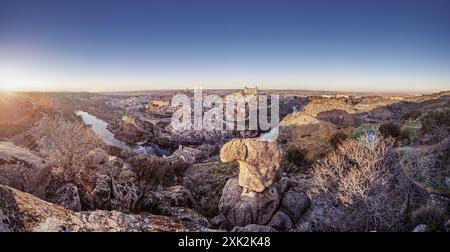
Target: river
{"type": "Point", "coordinates": [100, 128]}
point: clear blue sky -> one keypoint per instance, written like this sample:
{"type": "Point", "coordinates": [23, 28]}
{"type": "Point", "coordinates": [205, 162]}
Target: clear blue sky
{"type": "Point", "coordinates": [137, 45]}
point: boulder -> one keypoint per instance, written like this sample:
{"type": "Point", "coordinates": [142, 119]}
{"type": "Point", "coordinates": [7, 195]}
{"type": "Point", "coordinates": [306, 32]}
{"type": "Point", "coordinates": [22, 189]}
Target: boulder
{"type": "Point", "coordinates": [420, 228]}
{"type": "Point", "coordinates": [110, 194]}
{"type": "Point", "coordinates": [174, 196]}
{"type": "Point", "coordinates": [259, 162]}
{"type": "Point", "coordinates": [440, 202]}
{"type": "Point", "coordinates": [21, 169]}
{"type": "Point", "coordinates": [20, 211]}
{"type": "Point", "coordinates": [294, 203]}
{"type": "Point", "coordinates": [68, 197]}
{"type": "Point", "coordinates": [281, 221]}
{"type": "Point", "coordinates": [241, 209]}
{"type": "Point", "coordinates": [254, 228]}
{"type": "Point", "coordinates": [187, 215]}
{"type": "Point", "coordinates": [124, 196]}
{"type": "Point", "coordinates": [102, 193]}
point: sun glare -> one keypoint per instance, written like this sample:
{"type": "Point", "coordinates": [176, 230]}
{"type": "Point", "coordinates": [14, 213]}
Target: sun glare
{"type": "Point", "coordinates": [20, 78]}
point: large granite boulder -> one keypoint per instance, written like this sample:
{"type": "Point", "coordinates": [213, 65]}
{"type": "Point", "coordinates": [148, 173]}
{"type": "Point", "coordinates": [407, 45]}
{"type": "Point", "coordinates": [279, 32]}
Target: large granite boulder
{"type": "Point", "coordinates": [21, 211]}
{"type": "Point", "coordinates": [259, 162]}
{"type": "Point", "coordinates": [21, 169]}
{"type": "Point", "coordinates": [241, 209]}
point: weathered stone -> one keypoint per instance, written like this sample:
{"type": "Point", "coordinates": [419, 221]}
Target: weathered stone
{"type": "Point", "coordinates": [124, 196]}
{"type": "Point", "coordinates": [21, 211]}
{"type": "Point", "coordinates": [68, 197]}
{"type": "Point", "coordinates": [281, 221]}
{"type": "Point", "coordinates": [174, 196]}
{"type": "Point", "coordinates": [21, 169]}
{"type": "Point", "coordinates": [259, 162]}
{"type": "Point", "coordinates": [102, 193]}
{"type": "Point", "coordinates": [421, 228]}
{"type": "Point", "coordinates": [439, 202]}
{"type": "Point", "coordinates": [241, 209]}
{"type": "Point", "coordinates": [294, 203]}
{"type": "Point", "coordinates": [254, 228]}
{"type": "Point", "coordinates": [447, 226]}
{"type": "Point", "coordinates": [187, 215]}
{"type": "Point", "coordinates": [217, 221]}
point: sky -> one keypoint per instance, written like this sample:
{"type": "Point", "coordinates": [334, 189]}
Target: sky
{"type": "Point", "coordinates": [360, 45]}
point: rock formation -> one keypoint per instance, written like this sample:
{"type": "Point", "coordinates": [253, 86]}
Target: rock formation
{"type": "Point", "coordinates": [241, 209]}
{"type": "Point", "coordinates": [21, 211]}
{"type": "Point", "coordinates": [21, 169]}
{"type": "Point", "coordinates": [259, 162]}
{"type": "Point", "coordinates": [257, 199]}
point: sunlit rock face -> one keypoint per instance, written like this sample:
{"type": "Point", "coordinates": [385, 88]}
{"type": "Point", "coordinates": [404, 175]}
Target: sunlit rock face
{"type": "Point", "coordinates": [20, 211]}
{"type": "Point", "coordinates": [259, 162]}
{"type": "Point", "coordinates": [21, 169]}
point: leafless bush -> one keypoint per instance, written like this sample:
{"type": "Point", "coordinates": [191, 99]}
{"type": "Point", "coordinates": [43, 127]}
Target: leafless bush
{"type": "Point", "coordinates": [66, 143]}
{"type": "Point", "coordinates": [433, 217]}
{"type": "Point", "coordinates": [354, 167]}
{"type": "Point", "coordinates": [354, 176]}
{"type": "Point", "coordinates": [436, 134]}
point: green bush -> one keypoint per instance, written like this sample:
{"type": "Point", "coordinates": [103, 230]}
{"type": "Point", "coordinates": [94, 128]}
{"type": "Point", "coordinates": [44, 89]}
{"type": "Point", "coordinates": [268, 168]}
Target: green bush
{"type": "Point", "coordinates": [363, 130]}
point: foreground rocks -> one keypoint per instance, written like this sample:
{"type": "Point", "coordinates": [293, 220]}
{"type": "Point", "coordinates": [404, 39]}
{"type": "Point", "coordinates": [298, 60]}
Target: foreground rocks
{"type": "Point", "coordinates": [21, 211]}
{"type": "Point", "coordinates": [241, 209]}
{"type": "Point", "coordinates": [102, 182]}
{"type": "Point", "coordinates": [22, 169]}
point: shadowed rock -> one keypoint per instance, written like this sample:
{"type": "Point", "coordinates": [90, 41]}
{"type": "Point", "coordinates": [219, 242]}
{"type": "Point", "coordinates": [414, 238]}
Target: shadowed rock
{"type": "Point", "coordinates": [241, 209]}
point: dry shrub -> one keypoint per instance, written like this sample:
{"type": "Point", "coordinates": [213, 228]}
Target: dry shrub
{"type": "Point", "coordinates": [433, 217]}
{"type": "Point", "coordinates": [428, 166]}
{"type": "Point", "coordinates": [354, 178]}
{"type": "Point", "coordinates": [296, 160]}
{"type": "Point", "coordinates": [66, 144]}
{"type": "Point", "coordinates": [436, 134]}
{"type": "Point", "coordinates": [390, 129]}
{"type": "Point", "coordinates": [354, 167]}
{"type": "Point", "coordinates": [337, 138]}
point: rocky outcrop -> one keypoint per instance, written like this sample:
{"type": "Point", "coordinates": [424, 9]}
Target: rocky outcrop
{"type": "Point", "coordinates": [307, 133]}
{"type": "Point", "coordinates": [242, 209]}
{"type": "Point", "coordinates": [21, 169]}
{"type": "Point", "coordinates": [294, 203]}
{"type": "Point", "coordinates": [259, 196]}
{"type": "Point", "coordinates": [259, 162]}
{"type": "Point", "coordinates": [68, 197]}
{"type": "Point", "coordinates": [158, 201]}
{"type": "Point", "coordinates": [21, 211]}
{"type": "Point", "coordinates": [254, 228]}
{"type": "Point", "coordinates": [206, 181]}
{"type": "Point", "coordinates": [281, 221]}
